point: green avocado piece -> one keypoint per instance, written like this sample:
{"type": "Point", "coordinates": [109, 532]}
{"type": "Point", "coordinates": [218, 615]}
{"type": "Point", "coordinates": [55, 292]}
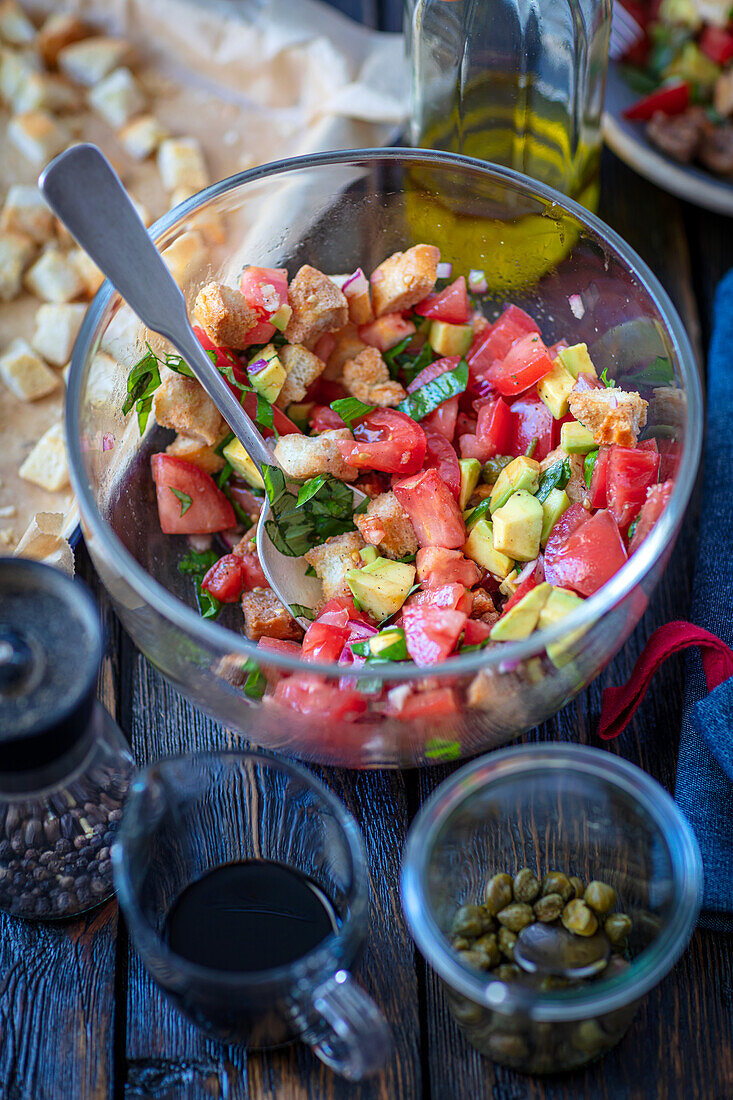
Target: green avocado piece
{"type": "Point", "coordinates": [281, 317]}
{"type": "Point", "coordinates": [518, 526]}
{"type": "Point", "coordinates": [577, 360]}
{"type": "Point", "coordinates": [368, 554]}
{"type": "Point", "coordinates": [447, 339]}
{"type": "Point", "coordinates": [269, 381]}
{"type": "Point", "coordinates": [555, 389]}
{"type": "Point", "coordinates": [520, 620]}
{"type": "Point", "coordinates": [479, 547]}
{"type": "Point", "coordinates": [692, 65]}
{"type": "Point", "coordinates": [242, 464]}
{"type": "Point", "coordinates": [555, 503]}
{"type": "Point", "coordinates": [559, 604]}
{"type": "Point", "coordinates": [470, 473]}
{"type": "Point", "coordinates": [382, 586]}
{"type": "Point", "coordinates": [575, 439]}
{"type": "Point", "coordinates": [521, 473]}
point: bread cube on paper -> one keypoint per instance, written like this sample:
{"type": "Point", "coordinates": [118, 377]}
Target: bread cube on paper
{"type": "Point", "coordinates": [182, 404]}
{"type": "Point", "coordinates": [302, 367]}
{"type": "Point", "coordinates": [404, 279]}
{"type": "Point", "coordinates": [142, 136]}
{"type": "Point", "coordinates": [224, 315]}
{"type": "Point", "coordinates": [304, 456]}
{"type": "Point", "coordinates": [58, 31]}
{"type": "Point", "coordinates": [16, 67]}
{"type": "Point", "coordinates": [16, 252]}
{"type": "Point", "coordinates": [186, 255]}
{"type": "Point", "coordinates": [85, 267]}
{"type": "Point", "coordinates": [53, 278]}
{"type": "Point", "coordinates": [47, 464]}
{"type": "Point", "coordinates": [38, 136]}
{"type": "Point", "coordinates": [333, 560]}
{"type": "Point", "coordinates": [15, 26]}
{"type": "Point", "coordinates": [57, 327]}
{"type": "Point", "coordinates": [318, 306]}
{"type": "Point", "coordinates": [25, 211]}
{"type": "Point", "coordinates": [45, 92]}
{"type": "Point", "coordinates": [89, 61]}
{"type": "Point", "coordinates": [24, 373]}
{"type": "Point", "coordinates": [117, 98]}
{"type": "Point", "coordinates": [181, 164]}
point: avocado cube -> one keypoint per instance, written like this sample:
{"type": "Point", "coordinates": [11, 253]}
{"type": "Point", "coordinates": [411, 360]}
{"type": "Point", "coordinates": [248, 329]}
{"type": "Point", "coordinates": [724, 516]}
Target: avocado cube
{"type": "Point", "coordinates": [470, 473]}
{"type": "Point", "coordinates": [382, 586]}
{"type": "Point", "coordinates": [576, 360]}
{"type": "Point", "coordinates": [519, 621]}
{"type": "Point", "coordinates": [368, 554]}
{"type": "Point", "coordinates": [242, 464]}
{"type": "Point", "coordinates": [575, 439]}
{"type": "Point", "coordinates": [447, 339]}
{"type": "Point", "coordinates": [267, 381]}
{"type": "Point", "coordinates": [555, 503]}
{"type": "Point", "coordinates": [692, 65]}
{"type": "Point", "coordinates": [555, 389]}
{"type": "Point", "coordinates": [560, 603]}
{"type": "Point", "coordinates": [298, 412]}
{"type": "Point", "coordinates": [521, 473]}
{"type": "Point", "coordinates": [518, 526]}
{"type": "Point", "coordinates": [479, 547]}
{"type": "Point", "coordinates": [281, 317]}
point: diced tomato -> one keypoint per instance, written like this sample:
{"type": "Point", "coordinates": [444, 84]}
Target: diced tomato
{"type": "Point", "coordinates": [530, 419]}
{"type": "Point", "coordinates": [524, 365]}
{"type": "Point", "coordinates": [224, 357]}
{"type": "Point", "coordinates": [327, 702]}
{"type": "Point", "coordinates": [324, 642]}
{"type": "Point", "coordinates": [280, 645]}
{"type": "Point", "coordinates": [323, 419]}
{"type": "Point", "coordinates": [530, 582]}
{"type": "Point", "coordinates": [424, 705]}
{"type": "Point", "coordinates": [262, 333]}
{"type": "Point", "coordinates": [465, 424]}
{"type": "Point", "coordinates": [470, 447]}
{"type": "Point", "coordinates": [590, 556]}
{"type": "Point", "coordinates": [496, 341]}
{"type": "Point", "coordinates": [597, 491]}
{"type": "Point", "coordinates": [449, 305]}
{"type": "Point", "coordinates": [340, 610]}
{"type": "Point", "coordinates": [554, 351]}
{"type": "Point", "coordinates": [454, 597]}
{"type": "Point", "coordinates": [433, 510]}
{"type": "Point", "coordinates": [437, 566]}
{"type": "Point", "coordinates": [431, 633]}
{"type": "Point", "coordinates": [441, 457]}
{"type": "Point", "coordinates": [651, 510]}
{"type": "Point", "coordinates": [265, 289]}
{"type": "Point", "coordinates": [281, 423]}
{"type": "Point", "coordinates": [208, 510]}
{"type": "Point", "coordinates": [386, 331]}
{"type": "Point", "coordinates": [669, 101]}
{"type": "Point", "coordinates": [475, 632]}
{"type": "Point", "coordinates": [225, 580]}
{"type": "Point", "coordinates": [494, 428]}
{"type": "Point", "coordinates": [252, 573]}
{"type": "Point", "coordinates": [324, 345]}
{"type": "Point", "coordinates": [648, 445]}
{"type": "Point", "coordinates": [631, 471]}
{"type": "Point", "coordinates": [386, 440]}
{"type": "Point", "coordinates": [717, 44]}
{"type": "Point", "coordinates": [571, 519]}
{"type": "Point", "coordinates": [443, 419]}
{"type": "Point", "coordinates": [433, 370]}
{"type": "Point", "coordinates": [669, 450]}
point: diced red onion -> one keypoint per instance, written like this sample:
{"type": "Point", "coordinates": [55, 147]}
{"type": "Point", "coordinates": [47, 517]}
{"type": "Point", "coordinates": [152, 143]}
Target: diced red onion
{"type": "Point", "coordinates": [477, 282]}
{"type": "Point", "coordinates": [444, 271]}
{"type": "Point", "coordinates": [257, 366]}
{"type": "Point", "coordinates": [355, 284]}
{"type": "Point", "coordinates": [526, 572]}
{"type": "Point", "coordinates": [108, 442]}
{"type": "Point", "coordinates": [576, 305]}
{"type": "Point", "coordinates": [232, 536]}
{"type": "Point", "coordinates": [509, 666]}
{"type": "Point", "coordinates": [360, 630]}
{"type": "Point", "coordinates": [199, 543]}
{"type": "Point", "coordinates": [246, 499]}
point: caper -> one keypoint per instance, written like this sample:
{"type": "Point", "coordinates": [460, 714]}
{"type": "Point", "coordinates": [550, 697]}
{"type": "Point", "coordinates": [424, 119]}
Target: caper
{"type": "Point", "coordinates": [477, 960]}
{"type": "Point", "coordinates": [507, 940]}
{"type": "Point", "coordinates": [589, 1036]}
{"type": "Point", "coordinates": [508, 1048]}
{"type": "Point", "coordinates": [526, 886]}
{"type": "Point", "coordinates": [548, 908]}
{"type": "Point", "coordinates": [498, 893]}
{"type": "Point", "coordinates": [470, 920]}
{"type": "Point", "coordinates": [467, 1012]}
{"type": "Point", "coordinates": [491, 469]}
{"type": "Point", "coordinates": [515, 917]}
{"type": "Point", "coordinates": [555, 882]}
{"type": "Point", "coordinates": [579, 919]}
{"type": "Point", "coordinates": [488, 946]}
{"type": "Point", "coordinates": [600, 896]}
{"type": "Point", "coordinates": [617, 927]}
{"type": "Point", "coordinates": [577, 885]}
{"type": "Point", "coordinates": [507, 972]}
{"type": "Point", "coordinates": [461, 943]}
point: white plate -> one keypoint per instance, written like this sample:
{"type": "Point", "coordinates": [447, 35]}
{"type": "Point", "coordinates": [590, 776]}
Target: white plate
{"type": "Point", "coordinates": [628, 141]}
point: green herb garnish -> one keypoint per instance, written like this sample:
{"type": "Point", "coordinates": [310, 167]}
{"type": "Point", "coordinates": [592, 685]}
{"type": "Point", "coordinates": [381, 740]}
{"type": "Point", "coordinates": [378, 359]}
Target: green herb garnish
{"type": "Point", "coordinates": [264, 414]}
{"type": "Point", "coordinates": [427, 398]}
{"type": "Point", "coordinates": [607, 382]}
{"type": "Point", "coordinates": [196, 564]}
{"type": "Point", "coordinates": [256, 683]}
{"type": "Point", "coordinates": [392, 647]}
{"type": "Point", "coordinates": [438, 748]}
{"type": "Point", "coordinates": [479, 512]}
{"type": "Point", "coordinates": [589, 465]}
{"type": "Point", "coordinates": [350, 409]}
{"type": "Point", "coordinates": [392, 355]}
{"type": "Point", "coordinates": [555, 477]}
{"type": "Point", "coordinates": [632, 527]}
{"type": "Point", "coordinates": [185, 500]}
{"type": "Point", "coordinates": [142, 382]}
{"type": "Point", "coordinates": [300, 524]}
{"type": "Point", "coordinates": [209, 606]}
{"type": "Point", "coordinates": [310, 489]}
{"type": "Point", "coordinates": [300, 611]}
{"type": "Point", "coordinates": [532, 447]}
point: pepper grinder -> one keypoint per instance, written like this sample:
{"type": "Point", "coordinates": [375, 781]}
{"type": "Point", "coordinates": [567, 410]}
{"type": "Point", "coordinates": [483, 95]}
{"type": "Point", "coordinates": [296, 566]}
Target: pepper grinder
{"type": "Point", "coordinates": [65, 765]}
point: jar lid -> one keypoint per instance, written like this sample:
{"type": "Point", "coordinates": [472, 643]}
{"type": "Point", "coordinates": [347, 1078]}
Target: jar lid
{"type": "Point", "coordinates": [50, 650]}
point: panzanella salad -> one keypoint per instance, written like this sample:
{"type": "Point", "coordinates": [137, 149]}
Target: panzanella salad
{"type": "Point", "coordinates": [505, 480]}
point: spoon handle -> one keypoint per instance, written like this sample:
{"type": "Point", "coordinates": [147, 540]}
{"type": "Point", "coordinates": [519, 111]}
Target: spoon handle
{"type": "Point", "coordinates": [83, 190]}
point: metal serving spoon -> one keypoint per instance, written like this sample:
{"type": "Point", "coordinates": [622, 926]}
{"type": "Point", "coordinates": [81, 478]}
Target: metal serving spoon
{"type": "Point", "coordinates": [85, 193]}
{"type": "Point", "coordinates": [550, 949]}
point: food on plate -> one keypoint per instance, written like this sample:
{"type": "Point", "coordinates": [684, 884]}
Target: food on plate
{"type": "Point", "coordinates": [683, 69]}
{"type": "Point", "coordinates": [505, 482]}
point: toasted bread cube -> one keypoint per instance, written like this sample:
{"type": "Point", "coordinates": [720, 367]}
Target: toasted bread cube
{"type": "Point", "coordinates": [613, 415]}
{"type": "Point", "coordinates": [303, 367]}
{"type": "Point", "coordinates": [207, 221]}
{"type": "Point", "coordinates": [25, 211]}
{"type": "Point", "coordinates": [38, 136]}
{"type": "Point", "coordinates": [318, 306]}
{"type": "Point", "coordinates": [193, 450]}
{"type": "Point", "coordinates": [224, 315]}
{"type": "Point", "coordinates": [185, 256]}
{"type": "Point", "coordinates": [347, 345]}
{"type": "Point", "coordinates": [483, 606]}
{"type": "Point", "coordinates": [182, 404]}
{"type": "Point", "coordinates": [16, 252]}
{"type": "Point", "coordinates": [305, 456]}
{"type": "Point", "coordinates": [333, 560]}
{"type": "Point", "coordinates": [15, 26]}
{"type": "Point", "coordinates": [266, 617]}
{"type": "Point", "coordinates": [90, 60]}
{"type": "Point", "coordinates": [24, 373]}
{"type": "Point", "coordinates": [386, 524]}
{"type": "Point", "coordinates": [58, 31]}
{"type": "Point", "coordinates": [404, 279]}
{"type": "Point", "coordinates": [45, 92]}
{"type": "Point", "coordinates": [15, 69]}
{"type": "Point", "coordinates": [142, 136]}
{"type": "Point", "coordinates": [91, 276]}
{"type": "Point", "coordinates": [367, 379]}
{"type": "Point", "coordinates": [181, 164]}
{"type": "Point", "coordinates": [47, 464]}
{"type": "Point", "coordinates": [52, 278]}
{"type": "Point", "coordinates": [57, 327]}
{"type": "Point", "coordinates": [117, 98]}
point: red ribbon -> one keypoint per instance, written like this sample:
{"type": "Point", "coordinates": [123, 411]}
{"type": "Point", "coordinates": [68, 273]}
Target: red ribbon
{"type": "Point", "coordinates": [620, 704]}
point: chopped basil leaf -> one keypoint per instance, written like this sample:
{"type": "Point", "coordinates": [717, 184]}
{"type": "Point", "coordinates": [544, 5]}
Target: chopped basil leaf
{"type": "Point", "coordinates": [310, 572]}
{"type": "Point", "coordinates": [224, 474]}
{"type": "Point", "coordinates": [179, 365]}
{"type": "Point", "coordinates": [299, 525]}
{"type": "Point", "coordinates": [263, 415]}
{"type": "Point", "coordinates": [532, 446]}
{"type": "Point", "coordinates": [411, 367]}
{"type": "Point", "coordinates": [142, 382]}
{"type": "Point", "coordinates": [310, 488]}
{"type": "Point", "coordinates": [427, 398]}
{"type": "Point", "coordinates": [184, 498]}
{"type": "Point", "coordinates": [638, 80]}
{"type": "Point", "coordinates": [197, 562]}
{"type": "Point", "coordinates": [555, 477]}
{"type": "Point", "coordinates": [350, 409]}
{"type": "Point", "coordinates": [607, 382]}
{"type": "Point", "coordinates": [589, 465]}
{"type": "Point", "coordinates": [209, 606]}
{"type": "Point", "coordinates": [392, 354]}
{"type": "Point", "coordinates": [632, 527]}
{"type": "Point", "coordinates": [407, 559]}
{"type": "Point", "coordinates": [299, 611]}
{"type": "Point", "coordinates": [438, 748]}
{"type": "Point", "coordinates": [361, 648]}
{"type": "Point", "coordinates": [479, 512]}
{"type": "Point", "coordinates": [472, 648]}
{"type": "Point", "coordinates": [256, 683]}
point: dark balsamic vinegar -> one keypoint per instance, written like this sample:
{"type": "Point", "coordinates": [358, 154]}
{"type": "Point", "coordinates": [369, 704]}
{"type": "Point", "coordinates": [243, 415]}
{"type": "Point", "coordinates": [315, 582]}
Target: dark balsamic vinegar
{"type": "Point", "coordinates": [249, 916]}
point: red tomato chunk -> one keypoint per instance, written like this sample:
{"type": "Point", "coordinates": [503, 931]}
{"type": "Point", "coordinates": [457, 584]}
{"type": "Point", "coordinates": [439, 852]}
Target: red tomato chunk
{"type": "Point", "coordinates": [449, 305]}
{"type": "Point", "coordinates": [525, 364]}
{"type": "Point", "coordinates": [265, 289]}
{"type": "Point", "coordinates": [225, 580]}
{"type": "Point", "coordinates": [590, 556]}
{"type": "Point", "coordinates": [433, 510]}
{"type": "Point", "coordinates": [651, 510]}
{"type": "Point", "coordinates": [431, 633]}
{"type": "Point", "coordinates": [437, 566]}
{"type": "Point", "coordinates": [494, 343]}
{"type": "Point", "coordinates": [386, 440]}
{"type": "Point", "coordinates": [324, 642]}
{"type": "Point", "coordinates": [631, 471]}
{"type": "Point", "coordinates": [434, 703]}
{"type": "Point", "coordinates": [441, 457]}
{"type": "Point", "coordinates": [200, 509]}
{"type": "Point", "coordinates": [312, 695]}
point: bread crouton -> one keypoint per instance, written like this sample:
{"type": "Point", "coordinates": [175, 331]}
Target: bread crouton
{"type": "Point", "coordinates": [16, 67]}
{"type": "Point", "coordinates": [24, 373]}
{"type": "Point", "coordinates": [404, 279]}
{"type": "Point", "coordinates": [207, 221]}
{"type": "Point", "coordinates": [15, 26]}
{"type": "Point", "coordinates": [57, 327]}
{"type": "Point", "coordinates": [193, 450]}
{"type": "Point", "coordinates": [46, 92]}
{"type": "Point", "coordinates": [333, 560]}
{"type": "Point", "coordinates": [266, 617]}
{"type": "Point", "coordinates": [58, 31]}
{"type": "Point", "coordinates": [25, 211]}
{"type": "Point", "coordinates": [47, 464]}
{"type": "Point", "coordinates": [185, 256]}
{"type": "Point", "coordinates": [37, 135]}
{"type": "Point", "coordinates": [613, 415]}
{"type": "Point", "coordinates": [91, 276]}
{"type": "Point", "coordinates": [224, 314]}
{"type": "Point", "coordinates": [181, 164]}
{"type": "Point", "coordinates": [367, 379]}
{"type": "Point", "coordinates": [303, 367]}
{"type": "Point", "coordinates": [385, 524]}
{"type": "Point", "coordinates": [318, 306]}
{"type": "Point", "coordinates": [53, 278]}
{"type": "Point", "coordinates": [181, 403]}
{"type": "Point", "coordinates": [118, 97]}
{"type": "Point", "coordinates": [347, 345]}
{"type": "Point", "coordinates": [90, 60]}
{"type": "Point", "coordinates": [142, 136]}
{"type": "Point", "coordinates": [483, 607]}
{"type": "Point", "coordinates": [303, 456]}
{"type": "Point", "coordinates": [16, 252]}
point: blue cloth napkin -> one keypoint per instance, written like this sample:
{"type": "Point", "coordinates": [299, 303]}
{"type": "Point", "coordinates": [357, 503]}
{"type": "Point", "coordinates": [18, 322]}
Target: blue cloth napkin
{"type": "Point", "coordinates": [704, 785]}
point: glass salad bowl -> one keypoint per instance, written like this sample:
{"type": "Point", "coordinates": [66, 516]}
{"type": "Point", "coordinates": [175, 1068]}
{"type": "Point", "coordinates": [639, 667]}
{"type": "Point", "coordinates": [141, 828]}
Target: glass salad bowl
{"type": "Point", "coordinates": [338, 211]}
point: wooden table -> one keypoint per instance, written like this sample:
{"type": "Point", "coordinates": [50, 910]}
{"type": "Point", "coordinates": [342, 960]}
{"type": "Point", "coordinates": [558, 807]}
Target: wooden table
{"type": "Point", "coordinates": [80, 1019]}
